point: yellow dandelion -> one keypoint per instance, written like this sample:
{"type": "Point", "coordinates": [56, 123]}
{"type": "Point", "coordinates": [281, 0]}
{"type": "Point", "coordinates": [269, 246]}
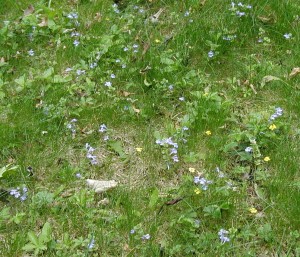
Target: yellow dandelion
{"type": "Point", "coordinates": [267, 158]}
{"type": "Point", "coordinates": [192, 170]}
{"type": "Point", "coordinates": [139, 149]}
{"type": "Point", "coordinates": [197, 191]}
{"type": "Point", "coordinates": [272, 127]}
{"type": "Point", "coordinates": [157, 41]}
{"type": "Point", "coordinates": [208, 132]}
{"type": "Point", "coordinates": [252, 210]}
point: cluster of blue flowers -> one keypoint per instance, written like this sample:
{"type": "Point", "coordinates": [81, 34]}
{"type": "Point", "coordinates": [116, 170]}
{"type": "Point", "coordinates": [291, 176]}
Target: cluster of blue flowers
{"type": "Point", "coordinates": [278, 113]}
{"type": "Point", "coordinates": [239, 8]}
{"type": "Point", "coordinates": [203, 182]}
{"type": "Point", "coordinates": [72, 126]}
{"type": "Point", "coordinates": [103, 129]}
{"type": "Point", "coordinates": [223, 235]}
{"type": "Point", "coordinates": [173, 147]}
{"type": "Point", "coordinates": [89, 155]}
{"type": "Point", "coordinates": [19, 193]}
{"type": "Point", "coordinates": [74, 17]}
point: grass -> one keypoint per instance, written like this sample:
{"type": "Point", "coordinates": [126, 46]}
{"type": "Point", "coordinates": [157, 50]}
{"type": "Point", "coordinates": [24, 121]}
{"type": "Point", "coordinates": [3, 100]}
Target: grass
{"type": "Point", "coordinates": [190, 135]}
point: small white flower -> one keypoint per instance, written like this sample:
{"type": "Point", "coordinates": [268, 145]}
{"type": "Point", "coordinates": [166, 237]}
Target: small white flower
{"type": "Point", "coordinates": [287, 35]}
{"type": "Point", "coordinates": [146, 237]}
{"type": "Point", "coordinates": [107, 84]}
{"type": "Point", "coordinates": [248, 149]}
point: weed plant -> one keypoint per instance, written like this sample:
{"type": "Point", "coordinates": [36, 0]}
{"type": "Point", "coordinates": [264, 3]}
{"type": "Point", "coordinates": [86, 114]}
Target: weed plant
{"type": "Point", "coordinates": [191, 106]}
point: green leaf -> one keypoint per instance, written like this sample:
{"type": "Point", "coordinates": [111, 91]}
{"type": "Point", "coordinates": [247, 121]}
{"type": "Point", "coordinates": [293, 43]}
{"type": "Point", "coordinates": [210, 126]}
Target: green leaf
{"type": "Point", "coordinates": [8, 168]}
{"type": "Point", "coordinates": [259, 192]}
{"type": "Point", "coordinates": [17, 219]}
{"type": "Point", "coordinates": [117, 147]}
{"type": "Point", "coordinates": [166, 60]}
{"type": "Point", "coordinates": [33, 238]}
{"type": "Point", "coordinates": [153, 198]}
{"type": "Point", "coordinates": [213, 211]}
{"type": "Point", "coordinates": [4, 214]}
{"type": "Point", "coordinates": [28, 247]}
{"type": "Point", "coordinates": [47, 73]}
{"type": "Point", "coordinates": [60, 79]}
{"type": "Point", "coordinates": [46, 234]}
{"type": "Point", "coordinates": [21, 81]}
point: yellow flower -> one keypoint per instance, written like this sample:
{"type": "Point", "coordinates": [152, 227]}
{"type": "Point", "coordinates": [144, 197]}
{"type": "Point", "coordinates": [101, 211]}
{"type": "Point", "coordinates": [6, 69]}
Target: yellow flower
{"type": "Point", "coordinates": [252, 210]}
{"type": "Point", "coordinates": [139, 149]}
{"type": "Point", "coordinates": [197, 191]}
{"type": "Point", "coordinates": [192, 170]}
{"type": "Point", "coordinates": [272, 127]}
{"type": "Point", "coordinates": [208, 132]}
{"type": "Point", "coordinates": [157, 41]}
{"type": "Point", "coordinates": [267, 158]}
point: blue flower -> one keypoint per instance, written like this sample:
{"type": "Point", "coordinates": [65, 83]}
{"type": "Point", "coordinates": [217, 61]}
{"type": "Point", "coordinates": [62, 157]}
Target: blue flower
{"type": "Point", "coordinates": [203, 182]}
{"type": "Point", "coordinates": [175, 158]}
{"type": "Point", "coordinates": [211, 54]}
{"type": "Point", "coordinates": [31, 52]}
{"type": "Point", "coordinates": [223, 236]}
{"type": "Point", "coordinates": [72, 15]}
{"type": "Point", "coordinates": [187, 13]}
{"type": "Point", "coordinates": [19, 194]}
{"type": "Point", "coordinates": [76, 42]}
{"type": "Point", "coordinates": [102, 128]}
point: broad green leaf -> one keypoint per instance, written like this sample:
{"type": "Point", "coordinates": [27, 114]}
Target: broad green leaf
{"type": "Point", "coordinates": [47, 73]}
{"type": "Point", "coordinates": [213, 211]}
{"type": "Point", "coordinates": [117, 147]}
{"type": "Point", "coordinates": [153, 198]}
{"type": "Point", "coordinates": [21, 81]}
{"type": "Point", "coordinates": [166, 60]}
{"type": "Point", "coordinates": [18, 217]}
{"type": "Point", "coordinates": [28, 247]}
{"type": "Point", "coordinates": [33, 238]}
{"type": "Point", "coordinates": [4, 214]}
{"type": "Point", "coordinates": [61, 79]}
{"type": "Point", "coordinates": [46, 234]}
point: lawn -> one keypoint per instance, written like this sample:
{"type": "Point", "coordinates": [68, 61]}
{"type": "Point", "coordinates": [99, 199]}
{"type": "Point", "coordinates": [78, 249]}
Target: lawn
{"type": "Point", "coordinates": [149, 128]}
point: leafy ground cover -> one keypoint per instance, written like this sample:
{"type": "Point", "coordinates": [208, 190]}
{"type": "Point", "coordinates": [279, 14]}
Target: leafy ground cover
{"type": "Point", "coordinates": [191, 106]}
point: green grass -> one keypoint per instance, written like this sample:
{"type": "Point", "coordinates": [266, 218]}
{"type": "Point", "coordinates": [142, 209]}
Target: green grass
{"type": "Point", "coordinates": [201, 78]}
